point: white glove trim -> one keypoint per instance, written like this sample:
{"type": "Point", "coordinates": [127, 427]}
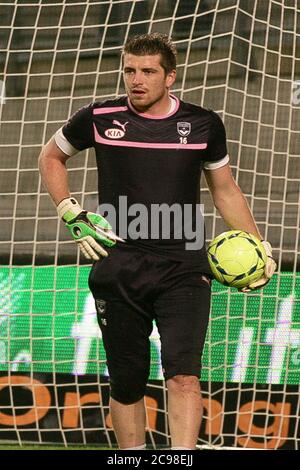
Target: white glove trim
{"type": "Point", "coordinates": [89, 247]}
{"type": "Point", "coordinates": [270, 267]}
{"type": "Point", "coordinates": [69, 204]}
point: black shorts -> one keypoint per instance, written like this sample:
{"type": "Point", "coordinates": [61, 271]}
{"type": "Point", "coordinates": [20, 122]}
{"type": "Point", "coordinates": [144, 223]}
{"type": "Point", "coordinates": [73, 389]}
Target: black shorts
{"type": "Point", "coordinates": [131, 289]}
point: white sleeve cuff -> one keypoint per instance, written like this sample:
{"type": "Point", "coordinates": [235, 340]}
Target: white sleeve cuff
{"type": "Point", "coordinates": [64, 144]}
{"type": "Point", "coordinates": [216, 164]}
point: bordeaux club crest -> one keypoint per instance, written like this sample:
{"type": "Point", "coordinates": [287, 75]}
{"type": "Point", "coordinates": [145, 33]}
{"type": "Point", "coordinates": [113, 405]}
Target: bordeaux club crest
{"type": "Point", "coordinates": [184, 128]}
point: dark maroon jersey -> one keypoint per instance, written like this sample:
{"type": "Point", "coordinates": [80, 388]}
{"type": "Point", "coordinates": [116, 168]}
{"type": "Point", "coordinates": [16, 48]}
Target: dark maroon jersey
{"type": "Point", "coordinates": [151, 161]}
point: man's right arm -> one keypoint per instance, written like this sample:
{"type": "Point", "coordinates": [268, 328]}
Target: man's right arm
{"type": "Point", "coordinates": [90, 231]}
{"type": "Point", "coordinates": [75, 135]}
{"type": "Point", "coordinates": [52, 165]}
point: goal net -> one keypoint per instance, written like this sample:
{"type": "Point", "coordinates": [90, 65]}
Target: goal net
{"type": "Point", "coordinates": [238, 57]}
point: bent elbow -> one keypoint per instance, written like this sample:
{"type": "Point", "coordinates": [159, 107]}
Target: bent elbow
{"type": "Point", "coordinates": [227, 197]}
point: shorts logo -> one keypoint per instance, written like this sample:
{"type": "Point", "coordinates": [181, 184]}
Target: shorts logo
{"type": "Point", "coordinates": [184, 128]}
{"type": "Point", "coordinates": [114, 133]}
{"type": "Point", "coordinates": [101, 309]}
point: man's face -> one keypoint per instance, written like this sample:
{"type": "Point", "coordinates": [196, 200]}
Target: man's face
{"type": "Point", "coordinates": [146, 82]}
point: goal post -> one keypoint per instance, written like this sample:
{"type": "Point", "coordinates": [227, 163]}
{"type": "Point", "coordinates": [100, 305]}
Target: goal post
{"type": "Point", "coordinates": [242, 59]}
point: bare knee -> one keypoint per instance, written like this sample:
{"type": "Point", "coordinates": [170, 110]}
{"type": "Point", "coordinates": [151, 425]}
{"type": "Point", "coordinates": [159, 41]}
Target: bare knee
{"type": "Point", "coordinates": [184, 384]}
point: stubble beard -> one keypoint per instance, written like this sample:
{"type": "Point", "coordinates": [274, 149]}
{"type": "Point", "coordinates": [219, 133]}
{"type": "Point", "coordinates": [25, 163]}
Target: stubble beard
{"type": "Point", "coordinates": [146, 106]}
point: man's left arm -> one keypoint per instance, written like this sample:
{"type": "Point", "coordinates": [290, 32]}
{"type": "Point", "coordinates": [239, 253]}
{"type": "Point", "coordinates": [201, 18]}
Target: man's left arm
{"type": "Point", "coordinates": [233, 207]}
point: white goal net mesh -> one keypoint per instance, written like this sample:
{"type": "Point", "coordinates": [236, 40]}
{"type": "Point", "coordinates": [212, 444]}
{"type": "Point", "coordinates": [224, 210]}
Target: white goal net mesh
{"type": "Point", "coordinates": [238, 57]}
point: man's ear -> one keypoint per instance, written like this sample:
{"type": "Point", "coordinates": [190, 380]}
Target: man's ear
{"type": "Point", "coordinates": [171, 77]}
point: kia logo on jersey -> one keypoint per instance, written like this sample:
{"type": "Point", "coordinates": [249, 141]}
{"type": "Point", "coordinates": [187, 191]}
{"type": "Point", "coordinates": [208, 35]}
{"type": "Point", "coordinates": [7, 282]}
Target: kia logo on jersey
{"type": "Point", "coordinates": [114, 133]}
{"type": "Point", "coordinates": [184, 128]}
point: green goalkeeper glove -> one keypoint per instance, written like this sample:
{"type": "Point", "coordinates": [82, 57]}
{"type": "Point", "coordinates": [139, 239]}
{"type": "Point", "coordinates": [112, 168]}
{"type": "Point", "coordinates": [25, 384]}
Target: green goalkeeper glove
{"type": "Point", "coordinates": [90, 231]}
{"type": "Point", "coordinates": [270, 268]}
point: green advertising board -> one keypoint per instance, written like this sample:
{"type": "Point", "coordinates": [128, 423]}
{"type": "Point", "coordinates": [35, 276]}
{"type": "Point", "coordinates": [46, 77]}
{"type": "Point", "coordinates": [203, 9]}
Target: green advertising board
{"type": "Point", "coordinates": [48, 324]}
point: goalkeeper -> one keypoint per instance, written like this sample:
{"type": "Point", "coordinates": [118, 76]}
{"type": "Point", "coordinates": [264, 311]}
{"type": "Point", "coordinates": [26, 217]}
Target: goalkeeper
{"type": "Point", "coordinates": [150, 149]}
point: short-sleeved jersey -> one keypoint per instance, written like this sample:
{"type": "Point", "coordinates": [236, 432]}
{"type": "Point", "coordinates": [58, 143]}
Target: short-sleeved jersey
{"type": "Point", "coordinates": [150, 160]}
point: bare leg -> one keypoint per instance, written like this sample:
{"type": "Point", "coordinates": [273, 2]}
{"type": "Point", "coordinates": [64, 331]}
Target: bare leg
{"type": "Point", "coordinates": [129, 423]}
{"type": "Point", "coordinates": [185, 410]}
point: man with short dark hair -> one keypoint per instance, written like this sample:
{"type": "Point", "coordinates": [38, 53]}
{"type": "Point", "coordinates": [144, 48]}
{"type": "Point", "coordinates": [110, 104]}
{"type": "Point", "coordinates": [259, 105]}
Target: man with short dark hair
{"type": "Point", "coordinates": [150, 149]}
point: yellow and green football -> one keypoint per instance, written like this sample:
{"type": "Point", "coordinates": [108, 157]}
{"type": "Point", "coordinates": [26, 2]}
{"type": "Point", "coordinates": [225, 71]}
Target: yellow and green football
{"type": "Point", "coordinates": [236, 258]}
